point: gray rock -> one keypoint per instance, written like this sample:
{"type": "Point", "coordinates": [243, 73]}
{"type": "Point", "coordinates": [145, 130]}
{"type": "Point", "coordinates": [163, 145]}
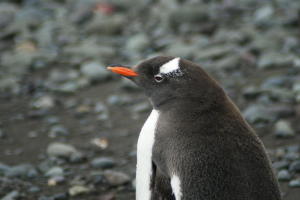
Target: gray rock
{"type": "Point", "coordinates": [119, 100]}
{"type": "Point", "coordinates": [180, 48]}
{"type": "Point", "coordinates": [52, 120]}
{"type": "Point", "coordinates": [61, 150]}
{"type": "Point", "coordinates": [2, 134]}
{"type": "Point", "coordinates": [215, 52]}
{"type": "Point", "coordinates": [295, 166]}
{"type": "Point", "coordinates": [94, 71]}
{"type": "Point", "coordinates": [103, 162]}
{"type": "Point", "coordinates": [292, 156]}
{"type": "Point", "coordinates": [280, 164]}
{"type": "Point", "coordinates": [138, 43]}
{"type": "Point", "coordinates": [229, 62]}
{"type": "Point", "coordinates": [274, 82]}
{"type": "Point", "coordinates": [44, 102]}
{"type": "Point", "coordinates": [293, 148]}
{"type": "Point", "coordinates": [284, 175]}
{"type": "Point", "coordinates": [7, 14]}
{"type": "Point", "coordinates": [296, 90]}
{"type": "Point", "coordinates": [55, 171]}
{"type": "Point", "coordinates": [275, 60]}
{"type": "Point", "coordinates": [251, 92]}
{"type": "Point", "coordinates": [90, 49]}
{"type": "Point", "coordinates": [105, 24]}
{"type": "Point", "coordinates": [60, 196]}
{"type": "Point", "coordinates": [78, 190]}
{"type": "Point", "coordinates": [295, 183]}
{"type": "Point", "coordinates": [100, 107]}
{"type": "Point", "coordinates": [58, 130]}
{"type": "Point", "coordinates": [188, 14]}
{"type": "Point", "coordinates": [69, 87]}
{"type": "Point", "coordinates": [3, 168]}
{"type": "Point", "coordinates": [55, 180]}
{"type": "Point", "coordinates": [258, 114]}
{"type": "Point", "coordinates": [283, 129]}
{"type": "Point", "coordinates": [13, 195]}
{"type": "Point", "coordinates": [263, 14]}
{"type": "Point", "coordinates": [34, 189]}
{"type": "Point", "coordinates": [115, 178]}
{"type": "Point", "coordinates": [22, 171]}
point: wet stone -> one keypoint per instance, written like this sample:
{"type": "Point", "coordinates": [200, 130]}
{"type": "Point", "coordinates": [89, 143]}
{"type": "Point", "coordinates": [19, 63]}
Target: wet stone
{"type": "Point", "coordinates": [55, 171]}
{"type": "Point", "coordinates": [295, 183]}
{"type": "Point", "coordinates": [103, 162]}
{"type": "Point", "coordinates": [116, 178]}
{"type": "Point", "coordinates": [55, 180]}
{"type": "Point", "coordinates": [61, 150]}
{"type": "Point", "coordinates": [34, 189]}
{"type": "Point", "coordinates": [280, 164]}
{"type": "Point", "coordinates": [2, 134]}
{"type": "Point", "coordinates": [78, 190]}
{"type": "Point", "coordinates": [284, 175]}
{"type": "Point", "coordinates": [283, 129]}
{"type": "Point", "coordinates": [295, 166]}
{"type": "Point", "coordinates": [14, 195]}
{"type": "Point", "coordinates": [258, 114]}
{"type": "Point", "coordinates": [22, 171]}
{"type": "Point", "coordinates": [58, 130]}
{"type": "Point", "coordinates": [95, 71]}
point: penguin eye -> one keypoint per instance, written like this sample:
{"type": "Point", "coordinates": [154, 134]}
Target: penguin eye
{"type": "Point", "coordinates": [158, 78]}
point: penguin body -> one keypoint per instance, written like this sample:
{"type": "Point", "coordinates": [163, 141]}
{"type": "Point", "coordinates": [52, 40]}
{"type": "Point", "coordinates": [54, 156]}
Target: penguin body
{"type": "Point", "coordinates": [195, 145]}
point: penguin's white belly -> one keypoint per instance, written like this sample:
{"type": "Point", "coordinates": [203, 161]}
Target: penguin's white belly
{"type": "Point", "coordinates": [144, 157]}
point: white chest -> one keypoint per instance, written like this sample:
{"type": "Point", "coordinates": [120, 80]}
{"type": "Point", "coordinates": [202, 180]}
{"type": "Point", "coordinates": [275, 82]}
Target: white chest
{"type": "Point", "coordinates": [144, 157]}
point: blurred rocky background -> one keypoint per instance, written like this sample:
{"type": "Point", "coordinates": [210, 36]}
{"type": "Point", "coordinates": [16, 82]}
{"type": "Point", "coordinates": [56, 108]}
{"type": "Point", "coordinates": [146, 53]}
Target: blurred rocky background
{"type": "Point", "coordinates": [68, 128]}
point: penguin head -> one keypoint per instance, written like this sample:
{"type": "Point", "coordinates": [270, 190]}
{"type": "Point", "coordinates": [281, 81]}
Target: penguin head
{"type": "Point", "coordinates": [167, 79]}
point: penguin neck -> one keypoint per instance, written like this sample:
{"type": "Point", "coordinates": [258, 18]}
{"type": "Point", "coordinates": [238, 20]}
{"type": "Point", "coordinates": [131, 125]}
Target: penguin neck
{"type": "Point", "coordinates": [188, 104]}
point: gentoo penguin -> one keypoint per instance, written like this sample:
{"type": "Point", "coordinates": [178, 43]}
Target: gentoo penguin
{"type": "Point", "coordinates": [195, 145]}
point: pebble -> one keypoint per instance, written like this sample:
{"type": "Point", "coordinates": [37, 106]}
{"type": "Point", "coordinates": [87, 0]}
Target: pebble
{"type": "Point", "coordinates": [295, 183]}
{"type": "Point", "coordinates": [61, 196]}
{"type": "Point", "coordinates": [284, 175]}
{"type": "Point", "coordinates": [3, 168]}
{"type": "Point", "coordinates": [95, 71]}
{"type": "Point", "coordinates": [274, 60]}
{"type": "Point", "coordinates": [119, 100]}
{"type": "Point", "coordinates": [283, 129]}
{"type": "Point", "coordinates": [110, 196]}
{"type": "Point", "coordinates": [78, 190]}
{"type": "Point", "coordinates": [283, 164]}
{"type": "Point", "coordinates": [61, 150]}
{"type": "Point", "coordinates": [2, 134]}
{"type": "Point", "coordinates": [44, 102]}
{"type": "Point", "coordinates": [22, 171]}
{"type": "Point", "coordinates": [34, 189]}
{"type": "Point", "coordinates": [13, 195]}
{"type": "Point", "coordinates": [258, 114]}
{"type": "Point", "coordinates": [58, 130]}
{"type": "Point", "coordinates": [55, 180]}
{"type": "Point", "coordinates": [116, 178]}
{"type": "Point", "coordinates": [103, 162]}
{"type": "Point", "coordinates": [138, 43]}
{"type": "Point", "coordinates": [295, 166]}
{"type": "Point", "coordinates": [55, 171]}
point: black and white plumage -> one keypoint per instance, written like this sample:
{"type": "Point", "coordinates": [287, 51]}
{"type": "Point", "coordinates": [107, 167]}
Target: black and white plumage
{"type": "Point", "coordinates": [195, 145]}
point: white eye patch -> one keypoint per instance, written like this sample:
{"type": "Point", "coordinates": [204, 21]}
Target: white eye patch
{"type": "Point", "coordinates": [171, 68]}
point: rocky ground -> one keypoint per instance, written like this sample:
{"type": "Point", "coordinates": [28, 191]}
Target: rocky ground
{"type": "Point", "coordinates": [68, 128]}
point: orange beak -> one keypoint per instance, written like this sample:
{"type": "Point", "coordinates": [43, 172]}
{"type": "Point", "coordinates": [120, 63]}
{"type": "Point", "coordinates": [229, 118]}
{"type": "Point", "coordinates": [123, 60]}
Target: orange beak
{"type": "Point", "coordinates": [123, 71]}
